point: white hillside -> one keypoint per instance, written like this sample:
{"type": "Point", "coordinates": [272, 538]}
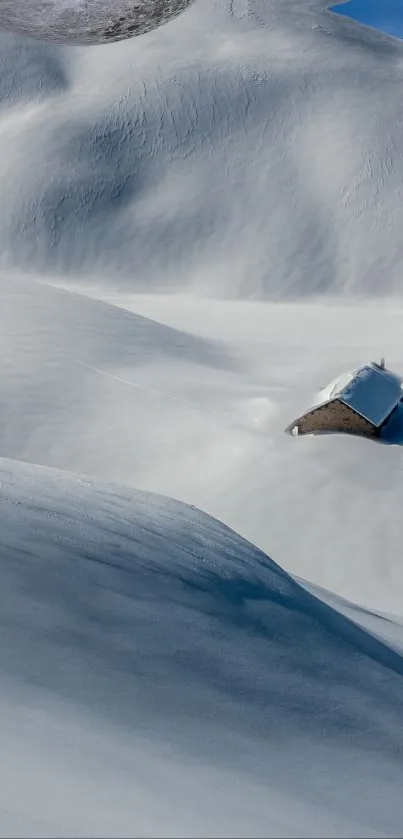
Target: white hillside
{"type": "Point", "coordinates": [234, 154]}
{"type": "Point", "coordinates": [192, 402]}
{"type": "Point", "coordinates": [156, 633]}
{"type": "Point", "coordinates": [199, 228]}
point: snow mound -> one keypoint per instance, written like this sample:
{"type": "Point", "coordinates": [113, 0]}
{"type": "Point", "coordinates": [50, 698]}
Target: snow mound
{"type": "Point", "coordinates": [235, 153]}
{"type": "Point", "coordinates": [161, 621]}
{"type": "Point", "coordinates": [52, 345]}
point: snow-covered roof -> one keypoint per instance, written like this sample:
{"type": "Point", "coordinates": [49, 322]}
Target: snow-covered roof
{"type": "Point", "coordinates": [371, 391]}
{"type": "Point", "coordinates": [369, 394]}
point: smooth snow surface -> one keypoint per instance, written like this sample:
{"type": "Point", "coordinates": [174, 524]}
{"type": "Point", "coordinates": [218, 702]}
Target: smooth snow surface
{"type": "Point", "coordinates": [199, 229]}
{"type": "Point", "coordinates": [171, 635]}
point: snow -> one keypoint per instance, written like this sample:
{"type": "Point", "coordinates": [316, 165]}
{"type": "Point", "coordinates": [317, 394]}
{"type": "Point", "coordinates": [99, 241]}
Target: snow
{"type": "Point", "coordinates": [373, 392]}
{"type": "Point", "coordinates": [169, 632]}
{"type": "Point", "coordinates": [238, 157]}
{"type": "Point", "coordinates": [200, 228]}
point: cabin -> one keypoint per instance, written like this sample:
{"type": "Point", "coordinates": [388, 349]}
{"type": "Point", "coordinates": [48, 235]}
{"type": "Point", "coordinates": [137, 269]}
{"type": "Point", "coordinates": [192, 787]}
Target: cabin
{"type": "Point", "coordinates": [361, 403]}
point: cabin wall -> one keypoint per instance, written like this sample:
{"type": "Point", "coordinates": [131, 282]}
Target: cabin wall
{"type": "Point", "coordinates": [337, 417]}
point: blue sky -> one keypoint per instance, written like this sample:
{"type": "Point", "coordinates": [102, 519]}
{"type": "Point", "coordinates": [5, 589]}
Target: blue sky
{"type": "Point", "coordinates": [386, 15]}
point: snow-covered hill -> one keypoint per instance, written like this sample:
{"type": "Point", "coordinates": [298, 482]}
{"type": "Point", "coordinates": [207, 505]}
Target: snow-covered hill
{"type": "Point", "coordinates": [160, 675]}
{"type": "Point", "coordinates": [170, 649]}
{"type": "Point", "coordinates": [190, 398]}
{"type": "Point", "coordinates": [244, 150]}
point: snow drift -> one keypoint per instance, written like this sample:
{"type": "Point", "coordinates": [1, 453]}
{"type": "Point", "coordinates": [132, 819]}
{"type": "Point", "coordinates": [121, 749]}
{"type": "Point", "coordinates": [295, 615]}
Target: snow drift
{"type": "Point", "coordinates": [160, 675]}
{"type": "Point", "coordinates": [182, 420]}
{"type": "Point", "coordinates": [161, 622]}
{"type": "Point", "coordinates": [243, 155]}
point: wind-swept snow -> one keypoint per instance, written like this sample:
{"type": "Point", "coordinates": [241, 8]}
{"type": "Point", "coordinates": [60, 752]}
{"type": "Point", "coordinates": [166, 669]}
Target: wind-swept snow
{"type": "Point", "coordinates": [192, 399]}
{"type": "Point", "coordinates": [156, 633]}
{"type": "Point", "coordinates": [244, 156]}
{"type": "Point", "coordinates": [160, 675]}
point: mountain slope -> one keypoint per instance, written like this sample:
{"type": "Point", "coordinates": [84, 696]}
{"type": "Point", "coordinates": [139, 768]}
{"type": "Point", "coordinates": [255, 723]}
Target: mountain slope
{"type": "Point", "coordinates": [244, 152]}
{"type": "Point", "coordinates": [165, 624]}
